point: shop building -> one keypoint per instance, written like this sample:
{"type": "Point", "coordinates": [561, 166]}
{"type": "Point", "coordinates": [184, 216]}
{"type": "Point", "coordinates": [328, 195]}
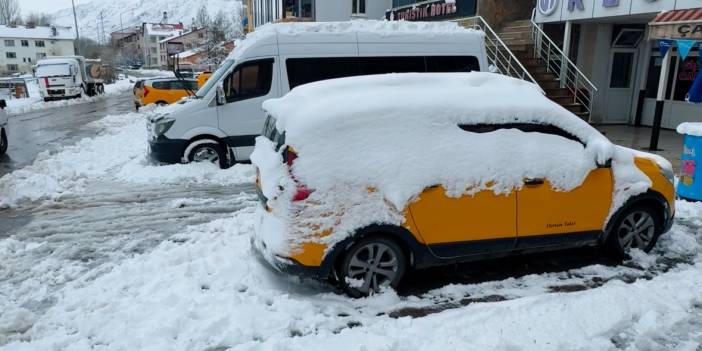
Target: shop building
{"type": "Point", "coordinates": [264, 11]}
{"type": "Point", "coordinates": [614, 43]}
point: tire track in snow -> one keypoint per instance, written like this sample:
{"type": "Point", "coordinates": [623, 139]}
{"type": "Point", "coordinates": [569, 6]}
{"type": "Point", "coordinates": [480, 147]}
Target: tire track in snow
{"type": "Point", "coordinates": [49, 245]}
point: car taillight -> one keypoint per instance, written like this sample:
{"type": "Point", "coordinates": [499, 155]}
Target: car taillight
{"type": "Point", "coordinates": [146, 91]}
{"type": "Point", "coordinates": [302, 192]}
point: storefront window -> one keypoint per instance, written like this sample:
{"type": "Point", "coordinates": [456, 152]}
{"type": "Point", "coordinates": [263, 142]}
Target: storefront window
{"type": "Point", "coordinates": [687, 71]}
{"type": "Point", "coordinates": [298, 9]}
{"type": "Point", "coordinates": [621, 69]}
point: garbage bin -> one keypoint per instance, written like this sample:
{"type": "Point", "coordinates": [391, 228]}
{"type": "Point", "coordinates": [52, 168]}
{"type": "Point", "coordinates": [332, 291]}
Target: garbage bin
{"type": "Point", "coordinates": [690, 184]}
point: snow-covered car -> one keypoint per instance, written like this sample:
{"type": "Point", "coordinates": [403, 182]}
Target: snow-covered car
{"type": "Point", "coordinates": [361, 179]}
{"type": "Point", "coordinates": [3, 128]}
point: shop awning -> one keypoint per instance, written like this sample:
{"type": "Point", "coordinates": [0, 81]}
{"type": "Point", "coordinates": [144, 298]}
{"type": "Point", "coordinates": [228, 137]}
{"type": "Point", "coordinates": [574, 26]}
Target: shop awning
{"type": "Point", "coordinates": [678, 24]}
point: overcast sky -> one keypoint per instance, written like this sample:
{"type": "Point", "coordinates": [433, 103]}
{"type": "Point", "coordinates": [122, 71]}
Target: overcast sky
{"type": "Point", "coordinates": [46, 6]}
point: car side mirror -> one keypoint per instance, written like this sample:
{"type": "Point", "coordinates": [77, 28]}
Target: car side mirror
{"type": "Point", "coordinates": [221, 98]}
{"type": "Point", "coordinates": [606, 164]}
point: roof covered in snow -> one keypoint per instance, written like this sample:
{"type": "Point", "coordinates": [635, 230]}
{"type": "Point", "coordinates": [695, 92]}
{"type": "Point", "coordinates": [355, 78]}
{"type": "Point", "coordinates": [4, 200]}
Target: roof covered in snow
{"type": "Point", "coordinates": [163, 29]}
{"type": "Point", "coordinates": [459, 98]}
{"type": "Point", "coordinates": [22, 32]}
{"type": "Point", "coordinates": [373, 28]}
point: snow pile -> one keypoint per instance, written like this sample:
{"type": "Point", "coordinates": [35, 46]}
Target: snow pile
{"type": "Point", "coordinates": [118, 155]}
{"type": "Point", "coordinates": [35, 102]}
{"type": "Point", "coordinates": [690, 128]}
{"type": "Point", "coordinates": [204, 291]}
{"type": "Point", "coordinates": [399, 134]}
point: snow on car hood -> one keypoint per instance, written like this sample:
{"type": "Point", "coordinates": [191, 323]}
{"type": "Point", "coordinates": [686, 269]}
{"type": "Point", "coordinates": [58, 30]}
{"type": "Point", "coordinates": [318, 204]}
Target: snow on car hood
{"type": "Point", "coordinates": [399, 134]}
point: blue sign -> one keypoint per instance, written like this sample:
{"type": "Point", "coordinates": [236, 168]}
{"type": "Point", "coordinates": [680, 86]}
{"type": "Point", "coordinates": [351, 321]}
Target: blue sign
{"type": "Point", "coordinates": [684, 46]}
{"type": "Point", "coordinates": [610, 3]}
{"type": "Point", "coordinates": [664, 45]}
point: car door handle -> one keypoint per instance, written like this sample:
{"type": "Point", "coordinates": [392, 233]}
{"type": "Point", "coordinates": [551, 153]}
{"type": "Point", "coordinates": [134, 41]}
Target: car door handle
{"type": "Point", "coordinates": [533, 181]}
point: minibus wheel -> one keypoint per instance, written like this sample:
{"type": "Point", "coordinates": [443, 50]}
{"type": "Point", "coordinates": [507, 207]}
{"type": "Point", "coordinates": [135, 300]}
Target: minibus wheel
{"type": "Point", "coordinates": [637, 228]}
{"type": "Point", "coordinates": [371, 264]}
{"type": "Point", "coordinates": [208, 151]}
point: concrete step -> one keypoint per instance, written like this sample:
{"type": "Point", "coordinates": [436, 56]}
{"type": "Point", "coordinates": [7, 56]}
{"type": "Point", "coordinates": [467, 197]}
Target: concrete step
{"type": "Point", "coordinates": [550, 84]}
{"type": "Point", "coordinates": [517, 41]}
{"type": "Point", "coordinates": [536, 70]}
{"type": "Point", "coordinates": [561, 99]}
{"type": "Point", "coordinates": [544, 77]}
{"type": "Point", "coordinates": [523, 47]}
{"type": "Point", "coordinates": [514, 35]}
{"type": "Point", "coordinates": [557, 91]}
{"type": "Point", "coordinates": [509, 27]}
{"type": "Point", "coordinates": [573, 107]}
{"type": "Point", "coordinates": [524, 22]}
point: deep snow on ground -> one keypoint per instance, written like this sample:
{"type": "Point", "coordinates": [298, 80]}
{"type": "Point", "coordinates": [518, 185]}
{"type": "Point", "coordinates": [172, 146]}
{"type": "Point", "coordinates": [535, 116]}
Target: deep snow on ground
{"type": "Point", "coordinates": [115, 253]}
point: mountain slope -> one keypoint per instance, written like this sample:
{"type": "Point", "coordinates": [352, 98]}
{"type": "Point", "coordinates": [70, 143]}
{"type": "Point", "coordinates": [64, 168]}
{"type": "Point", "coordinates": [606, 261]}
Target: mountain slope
{"type": "Point", "coordinates": [134, 12]}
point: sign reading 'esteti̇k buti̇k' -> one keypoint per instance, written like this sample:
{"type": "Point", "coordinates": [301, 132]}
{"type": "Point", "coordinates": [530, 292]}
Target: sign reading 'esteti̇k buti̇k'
{"type": "Point", "coordinates": [433, 10]}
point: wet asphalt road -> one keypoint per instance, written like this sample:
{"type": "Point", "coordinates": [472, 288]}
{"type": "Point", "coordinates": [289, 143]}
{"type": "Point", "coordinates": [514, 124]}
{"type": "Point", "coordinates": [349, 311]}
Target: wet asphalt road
{"type": "Point", "coordinates": [49, 129]}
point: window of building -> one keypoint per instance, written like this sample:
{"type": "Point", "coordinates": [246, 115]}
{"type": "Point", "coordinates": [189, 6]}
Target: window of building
{"type": "Point", "coordinates": [153, 50]}
{"type": "Point", "coordinates": [297, 9]}
{"type": "Point", "coordinates": [154, 39]}
{"type": "Point", "coordinates": [40, 55]}
{"type": "Point", "coordinates": [358, 7]}
{"type": "Point", "coordinates": [24, 42]}
{"type": "Point", "coordinates": [250, 80]}
{"type": "Point", "coordinates": [39, 43]}
{"type": "Point", "coordinates": [11, 55]}
{"type": "Point", "coordinates": [622, 64]}
{"type": "Point", "coordinates": [9, 42]}
{"type": "Point", "coordinates": [681, 75]}
{"type": "Point", "coordinates": [12, 67]}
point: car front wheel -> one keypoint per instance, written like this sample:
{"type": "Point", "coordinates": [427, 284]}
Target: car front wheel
{"type": "Point", "coordinates": [371, 264]}
{"type": "Point", "coordinates": [208, 151]}
{"type": "Point", "coordinates": [637, 228]}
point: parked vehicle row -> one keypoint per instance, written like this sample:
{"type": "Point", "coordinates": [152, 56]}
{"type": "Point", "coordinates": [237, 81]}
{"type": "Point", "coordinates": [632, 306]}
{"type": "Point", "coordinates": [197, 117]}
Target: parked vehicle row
{"type": "Point", "coordinates": [163, 91]}
{"type": "Point", "coordinates": [223, 119]}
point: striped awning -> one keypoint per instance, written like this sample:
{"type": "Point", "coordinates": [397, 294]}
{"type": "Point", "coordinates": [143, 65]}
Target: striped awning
{"type": "Point", "coordinates": [678, 24]}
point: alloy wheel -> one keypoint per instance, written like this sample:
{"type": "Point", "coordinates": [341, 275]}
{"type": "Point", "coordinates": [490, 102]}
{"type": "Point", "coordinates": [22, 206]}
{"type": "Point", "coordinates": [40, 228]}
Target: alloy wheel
{"type": "Point", "coordinates": [637, 230]}
{"type": "Point", "coordinates": [206, 154]}
{"type": "Point", "coordinates": [372, 266]}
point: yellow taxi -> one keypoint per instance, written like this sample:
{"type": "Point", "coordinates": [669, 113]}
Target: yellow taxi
{"type": "Point", "coordinates": [163, 91]}
{"type": "Point", "coordinates": [362, 179]}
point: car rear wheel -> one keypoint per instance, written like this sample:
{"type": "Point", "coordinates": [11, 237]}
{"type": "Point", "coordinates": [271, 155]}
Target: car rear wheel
{"type": "Point", "coordinates": [209, 151]}
{"type": "Point", "coordinates": [637, 228]}
{"type": "Point", "coordinates": [3, 142]}
{"type": "Point", "coordinates": [371, 264]}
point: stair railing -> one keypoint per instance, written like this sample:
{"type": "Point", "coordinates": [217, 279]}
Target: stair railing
{"type": "Point", "coordinates": [500, 58]}
{"type": "Point", "coordinates": [558, 64]}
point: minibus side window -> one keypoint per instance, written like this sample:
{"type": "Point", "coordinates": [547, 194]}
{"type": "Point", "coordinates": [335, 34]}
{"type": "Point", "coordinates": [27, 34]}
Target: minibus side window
{"type": "Point", "coordinates": [249, 80]}
{"type": "Point", "coordinates": [524, 127]}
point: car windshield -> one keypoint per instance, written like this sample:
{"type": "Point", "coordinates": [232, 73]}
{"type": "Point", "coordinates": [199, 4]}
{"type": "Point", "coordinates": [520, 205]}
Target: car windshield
{"type": "Point", "coordinates": [212, 81]}
{"type": "Point", "coordinates": [61, 69]}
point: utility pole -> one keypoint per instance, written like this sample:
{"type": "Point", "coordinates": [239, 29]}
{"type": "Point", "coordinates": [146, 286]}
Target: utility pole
{"type": "Point", "coordinates": [102, 24]}
{"type": "Point", "coordinates": [75, 20]}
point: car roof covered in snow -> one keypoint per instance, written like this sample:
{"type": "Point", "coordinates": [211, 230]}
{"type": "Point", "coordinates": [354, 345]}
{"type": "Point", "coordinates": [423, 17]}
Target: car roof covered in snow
{"type": "Point", "coordinates": [456, 98]}
{"type": "Point", "coordinates": [358, 30]}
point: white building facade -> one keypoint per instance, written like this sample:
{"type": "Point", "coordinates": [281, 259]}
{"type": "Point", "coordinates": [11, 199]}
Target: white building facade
{"type": "Point", "coordinates": [264, 11]}
{"type": "Point", "coordinates": [21, 47]}
{"type": "Point", "coordinates": [151, 36]}
{"type": "Point", "coordinates": [612, 45]}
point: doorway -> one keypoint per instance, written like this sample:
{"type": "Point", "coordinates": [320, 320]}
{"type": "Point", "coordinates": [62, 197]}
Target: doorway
{"type": "Point", "coordinates": [619, 94]}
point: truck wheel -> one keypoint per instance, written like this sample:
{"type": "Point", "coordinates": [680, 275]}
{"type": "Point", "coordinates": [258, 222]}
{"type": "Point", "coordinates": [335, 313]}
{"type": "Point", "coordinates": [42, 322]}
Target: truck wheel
{"type": "Point", "coordinates": [100, 89]}
{"type": "Point", "coordinates": [3, 142]}
{"type": "Point", "coordinates": [207, 151]}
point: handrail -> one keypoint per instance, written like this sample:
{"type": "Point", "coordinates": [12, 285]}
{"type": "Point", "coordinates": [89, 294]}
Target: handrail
{"type": "Point", "coordinates": [504, 61]}
{"type": "Point", "coordinates": [560, 65]}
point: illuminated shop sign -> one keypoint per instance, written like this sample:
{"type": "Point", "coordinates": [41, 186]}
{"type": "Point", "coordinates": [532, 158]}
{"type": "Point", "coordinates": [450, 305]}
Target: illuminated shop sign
{"type": "Point", "coordinates": [433, 10]}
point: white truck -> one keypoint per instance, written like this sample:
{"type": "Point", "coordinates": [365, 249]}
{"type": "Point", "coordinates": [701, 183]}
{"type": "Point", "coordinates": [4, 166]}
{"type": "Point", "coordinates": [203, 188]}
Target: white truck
{"type": "Point", "coordinates": [62, 77]}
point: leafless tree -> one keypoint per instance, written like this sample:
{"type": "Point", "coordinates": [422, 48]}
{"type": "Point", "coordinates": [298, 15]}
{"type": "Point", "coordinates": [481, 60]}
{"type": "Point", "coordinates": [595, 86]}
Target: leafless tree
{"type": "Point", "coordinates": [38, 19]}
{"type": "Point", "coordinates": [9, 11]}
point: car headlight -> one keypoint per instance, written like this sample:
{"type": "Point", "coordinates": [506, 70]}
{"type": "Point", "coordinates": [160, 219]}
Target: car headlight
{"type": "Point", "coordinates": [162, 126]}
{"type": "Point", "coordinates": [668, 174]}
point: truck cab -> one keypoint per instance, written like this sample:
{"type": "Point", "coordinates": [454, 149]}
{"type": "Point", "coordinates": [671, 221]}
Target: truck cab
{"type": "Point", "coordinates": [59, 78]}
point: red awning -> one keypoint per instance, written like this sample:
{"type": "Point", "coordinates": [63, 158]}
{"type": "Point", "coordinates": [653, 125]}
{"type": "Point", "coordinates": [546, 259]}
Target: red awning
{"type": "Point", "coordinates": [678, 24]}
{"type": "Point", "coordinates": [677, 16]}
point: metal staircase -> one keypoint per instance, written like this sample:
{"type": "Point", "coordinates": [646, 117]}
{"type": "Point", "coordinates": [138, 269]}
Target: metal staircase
{"type": "Point", "coordinates": [522, 50]}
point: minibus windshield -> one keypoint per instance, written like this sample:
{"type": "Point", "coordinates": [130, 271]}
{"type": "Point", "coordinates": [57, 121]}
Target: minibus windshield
{"type": "Point", "coordinates": [216, 77]}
